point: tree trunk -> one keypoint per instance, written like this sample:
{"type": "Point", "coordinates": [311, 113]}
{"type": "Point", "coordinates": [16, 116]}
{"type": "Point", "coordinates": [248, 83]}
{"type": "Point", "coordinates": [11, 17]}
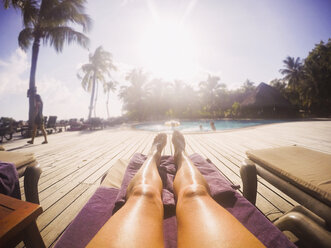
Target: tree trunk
{"type": "Point", "coordinates": [32, 84]}
{"type": "Point", "coordinates": [92, 97]}
{"type": "Point", "coordinates": [107, 104]}
{"type": "Point", "coordinates": [95, 101]}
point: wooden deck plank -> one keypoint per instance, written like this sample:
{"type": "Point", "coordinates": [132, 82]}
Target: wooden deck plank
{"type": "Point", "coordinates": [265, 189]}
{"type": "Point", "coordinates": [58, 225]}
{"type": "Point", "coordinates": [73, 162]}
{"type": "Point", "coordinates": [224, 166]}
{"type": "Point", "coordinates": [238, 154]}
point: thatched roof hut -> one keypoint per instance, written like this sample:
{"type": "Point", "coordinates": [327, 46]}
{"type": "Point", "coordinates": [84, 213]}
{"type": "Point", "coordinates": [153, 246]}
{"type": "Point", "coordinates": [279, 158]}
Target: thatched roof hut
{"type": "Point", "coordinates": [266, 101]}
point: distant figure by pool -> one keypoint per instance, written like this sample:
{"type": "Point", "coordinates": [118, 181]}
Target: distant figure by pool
{"type": "Point", "coordinates": [212, 126]}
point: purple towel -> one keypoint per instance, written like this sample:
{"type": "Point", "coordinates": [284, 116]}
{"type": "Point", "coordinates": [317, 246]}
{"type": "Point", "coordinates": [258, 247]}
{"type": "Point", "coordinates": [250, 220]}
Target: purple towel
{"type": "Point", "coordinates": [90, 219]}
{"type": "Point", "coordinates": [167, 171]}
{"type": "Point", "coordinates": [9, 183]}
{"type": "Point", "coordinates": [98, 210]}
{"type": "Point", "coordinates": [219, 187]}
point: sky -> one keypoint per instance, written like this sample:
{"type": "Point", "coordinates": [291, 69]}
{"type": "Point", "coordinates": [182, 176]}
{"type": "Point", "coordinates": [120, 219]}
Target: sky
{"type": "Point", "coordinates": [174, 39]}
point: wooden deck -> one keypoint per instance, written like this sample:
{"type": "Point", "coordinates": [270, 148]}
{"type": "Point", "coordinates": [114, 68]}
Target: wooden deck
{"type": "Point", "coordinates": [73, 163]}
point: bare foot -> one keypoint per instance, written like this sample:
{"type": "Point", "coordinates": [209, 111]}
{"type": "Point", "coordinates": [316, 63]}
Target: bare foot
{"type": "Point", "coordinates": [30, 142]}
{"type": "Point", "coordinates": [179, 141]}
{"type": "Point", "coordinates": [45, 142]}
{"type": "Point", "coordinates": [159, 142]}
{"type": "Point", "coordinates": [179, 144]}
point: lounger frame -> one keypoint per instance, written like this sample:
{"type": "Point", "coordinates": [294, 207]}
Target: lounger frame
{"type": "Point", "coordinates": [31, 173]}
{"type": "Point", "coordinates": [299, 224]}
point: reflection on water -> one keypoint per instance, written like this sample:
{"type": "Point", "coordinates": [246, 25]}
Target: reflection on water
{"type": "Point", "coordinates": [195, 126]}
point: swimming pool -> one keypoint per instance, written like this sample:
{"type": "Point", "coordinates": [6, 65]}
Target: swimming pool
{"type": "Point", "coordinates": [194, 126]}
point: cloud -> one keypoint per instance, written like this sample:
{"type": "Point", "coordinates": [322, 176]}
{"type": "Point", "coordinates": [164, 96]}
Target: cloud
{"type": "Point", "coordinates": [13, 73]}
{"type": "Point", "coordinates": [61, 97]}
{"type": "Point", "coordinates": [125, 2]}
{"type": "Point", "coordinates": [66, 101]}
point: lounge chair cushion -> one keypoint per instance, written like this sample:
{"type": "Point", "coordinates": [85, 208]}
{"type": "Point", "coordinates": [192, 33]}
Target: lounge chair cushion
{"type": "Point", "coordinates": [19, 159]}
{"type": "Point", "coordinates": [115, 174]}
{"type": "Point", "coordinates": [307, 169]}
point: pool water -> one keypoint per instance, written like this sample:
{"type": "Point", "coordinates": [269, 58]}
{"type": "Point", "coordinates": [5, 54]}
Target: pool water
{"type": "Point", "coordinates": [194, 126]}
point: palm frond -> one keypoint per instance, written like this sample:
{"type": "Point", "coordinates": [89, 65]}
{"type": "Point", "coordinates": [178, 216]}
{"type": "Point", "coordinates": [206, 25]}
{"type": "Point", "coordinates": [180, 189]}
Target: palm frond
{"type": "Point", "coordinates": [87, 67]}
{"type": "Point", "coordinates": [87, 82]}
{"type": "Point", "coordinates": [61, 13]}
{"type": "Point", "coordinates": [285, 71]}
{"type": "Point", "coordinates": [12, 3]}
{"type": "Point", "coordinates": [79, 76]}
{"type": "Point", "coordinates": [100, 77]}
{"type": "Point", "coordinates": [110, 86]}
{"type": "Point", "coordinates": [57, 36]}
{"type": "Point", "coordinates": [25, 38]}
{"type": "Point", "coordinates": [7, 3]}
{"type": "Point", "coordinates": [30, 12]}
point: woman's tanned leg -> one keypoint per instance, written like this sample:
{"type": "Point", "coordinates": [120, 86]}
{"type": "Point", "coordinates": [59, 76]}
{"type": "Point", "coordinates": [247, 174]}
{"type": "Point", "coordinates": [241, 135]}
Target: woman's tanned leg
{"type": "Point", "coordinates": [34, 133]}
{"type": "Point", "coordinates": [44, 133]}
{"type": "Point", "coordinates": [202, 222]}
{"type": "Point", "coordinates": [139, 223]}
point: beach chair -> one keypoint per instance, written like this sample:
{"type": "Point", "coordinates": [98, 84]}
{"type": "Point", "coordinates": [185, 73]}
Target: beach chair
{"type": "Point", "coordinates": [51, 124]}
{"type": "Point", "coordinates": [6, 129]}
{"type": "Point", "coordinates": [75, 125]}
{"type": "Point", "coordinates": [110, 196]}
{"type": "Point", "coordinates": [305, 176]}
{"type": "Point", "coordinates": [27, 167]}
{"type": "Point", "coordinates": [95, 123]}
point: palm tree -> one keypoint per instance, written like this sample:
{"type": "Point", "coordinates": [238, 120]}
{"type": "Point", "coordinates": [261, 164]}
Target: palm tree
{"type": "Point", "coordinates": [12, 3]}
{"type": "Point", "coordinates": [209, 91]}
{"type": "Point", "coordinates": [100, 64]}
{"type": "Point", "coordinates": [178, 97]}
{"type": "Point", "coordinates": [107, 87]}
{"type": "Point", "coordinates": [133, 96]}
{"type": "Point", "coordinates": [156, 98]}
{"type": "Point", "coordinates": [49, 21]}
{"type": "Point", "coordinates": [292, 71]}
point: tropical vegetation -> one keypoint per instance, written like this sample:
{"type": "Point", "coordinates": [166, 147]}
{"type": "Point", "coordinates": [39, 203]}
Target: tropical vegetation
{"type": "Point", "coordinates": [49, 21]}
{"type": "Point", "coordinates": [307, 83]}
{"type": "Point", "coordinates": [107, 87]}
{"type": "Point", "coordinates": [148, 98]}
{"type": "Point", "coordinates": [97, 70]}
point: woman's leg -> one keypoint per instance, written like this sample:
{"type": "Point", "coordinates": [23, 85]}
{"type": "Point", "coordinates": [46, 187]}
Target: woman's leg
{"type": "Point", "coordinates": [34, 132]}
{"type": "Point", "coordinates": [202, 222]}
{"type": "Point", "coordinates": [139, 223]}
{"type": "Point", "coordinates": [42, 127]}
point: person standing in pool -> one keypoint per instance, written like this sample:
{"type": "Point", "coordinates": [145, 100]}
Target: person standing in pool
{"type": "Point", "coordinates": [212, 125]}
{"type": "Point", "coordinates": [38, 119]}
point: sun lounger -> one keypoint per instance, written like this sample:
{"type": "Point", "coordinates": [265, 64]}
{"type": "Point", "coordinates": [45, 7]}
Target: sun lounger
{"type": "Point", "coordinates": [110, 196]}
{"type": "Point", "coordinates": [6, 129]}
{"type": "Point", "coordinates": [305, 176]}
{"type": "Point", "coordinates": [95, 123]}
{"type": "Point", "coordinates": [27, 167]}
{"type": "Point", "coordinates": [75, 125]}
{"type": "Point", "coordinates": [51, 124]}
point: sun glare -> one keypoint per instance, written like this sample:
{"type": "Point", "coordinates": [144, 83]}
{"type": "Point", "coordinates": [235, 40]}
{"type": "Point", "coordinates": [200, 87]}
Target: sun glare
{"type": "Point", "coordinates": [168, 50]}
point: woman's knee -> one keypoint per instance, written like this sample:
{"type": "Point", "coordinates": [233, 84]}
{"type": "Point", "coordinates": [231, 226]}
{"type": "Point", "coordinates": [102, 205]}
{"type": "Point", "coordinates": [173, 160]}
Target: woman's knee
{"type": "Point", "coordinates": [193, 191]}
{"type": "Point", "coordinates": [147, 191]}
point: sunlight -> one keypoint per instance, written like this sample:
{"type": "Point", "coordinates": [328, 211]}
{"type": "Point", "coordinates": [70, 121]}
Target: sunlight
{"type": "Point", "coordinates": [169, 50]}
